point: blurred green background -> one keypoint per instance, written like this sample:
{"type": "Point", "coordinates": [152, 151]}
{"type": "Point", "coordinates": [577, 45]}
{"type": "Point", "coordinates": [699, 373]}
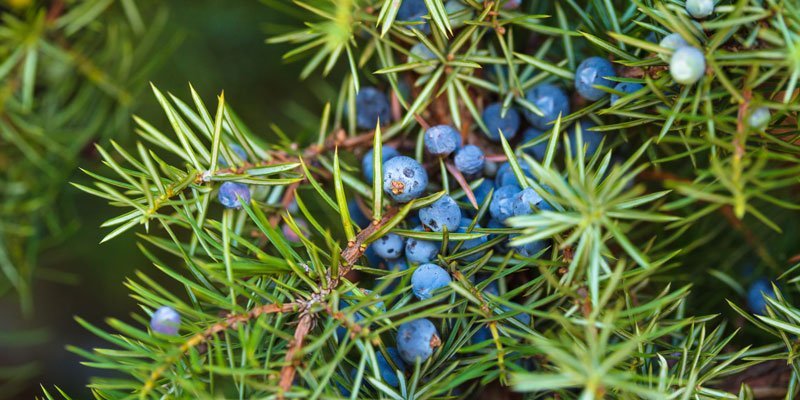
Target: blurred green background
{"type": "Point", "coordinates": [222, 48]}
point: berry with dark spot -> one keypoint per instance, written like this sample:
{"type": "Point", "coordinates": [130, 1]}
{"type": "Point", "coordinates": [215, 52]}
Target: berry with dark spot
{"type": "Point", "coordinates": [372, 105]}
{"type": "Point", "coordinates": [165, 321]}
{"type": "Point", "coordinates": [550, 100]}
{"type": "Point", "coordinates": [367, 163]}
{"type": "Point", "coordinates": [233, 194]}
{"type": "Point", "coordinates": [389, 246]}
{"type": "Point", "coordinates": [416, 340]}
{"type": "Point", "coordinates": [427, 278]}
{"type": "Point", "coordinates": [404, 179]}
{"type": "Point", "coordinates": [420, 251]}
{"type": "Point", "coordinates": [441, 140]}
{"type": "Point", "coordinates": [470, 160]}
{"type": "Point", "coordinates": [593, 71]}
{"type": "Point", "coordinates": [496, 123]}
{"type": "Point", "coordinates": [443, 213]}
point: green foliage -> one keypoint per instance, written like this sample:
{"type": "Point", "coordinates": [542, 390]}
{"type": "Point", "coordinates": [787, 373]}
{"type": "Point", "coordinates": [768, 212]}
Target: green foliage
{"type": "Point", "coordinates": [633, 224]}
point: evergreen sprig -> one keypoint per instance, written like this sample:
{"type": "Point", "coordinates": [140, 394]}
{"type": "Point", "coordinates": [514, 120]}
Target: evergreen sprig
{"type": "Point", "coordinates": [608, 315]}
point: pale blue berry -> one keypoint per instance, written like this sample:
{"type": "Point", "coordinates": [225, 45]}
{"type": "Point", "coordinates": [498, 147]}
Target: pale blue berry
{"type": "Point", "coordinates": [470, 160]}
{"type": "Point", "coordinates": [427, 278]}
{"type": "Point", "coordinates": [420, 53]}
{"type": "Point", "coordinates": [404, 179]}
{"type": "Point", "coordinates": [756, 293]}
{"type": "Point", "coordinates": [367, 163]}
{"type": "Point", "coordinates": [550, 100]}
{"type": "Point", "coordinates": [458, 12]}
{"type": "Point", "coordinates": [388, 373]}
{"type": "Point", "coordinates": [371, 105]}
{"type": "Point", "coordinates": [165, 321]}
{"type": "Point", "coordinates": [591, 139]}
{"type": "Point", "coordinates": [593, 71]}
{"type": "Point", "coordinates": [699, 8]}
{"type": "Point", "coordinates": [502, 204]}
{"type": "Point", "coordinates": [687, 65]}
{"type": "Point", "coordinates": [420, 251]}
{"type": "Point", "coordinates": [441, 214]}
{"type": "Point", "coordinates": [413, 11]}
{"type": "Point", "coordinates": [389, 246]}
{"type": "Point", "coordinates": [673, 41]}
{"type": "Point", "coordinates": [625, 87]}
{"type": "Point", "coordinates": [759, 118]}
{"type": "Point", "coordinates": [496, 123]}
{"type": "Point", "coordinates": [416, 340]}
{"type": "Point", "coordinates": [441, 140]}
{"type": "Point", "coordinates": [233, 194]}
{"type": "Point", "coordinates": [530, 249]}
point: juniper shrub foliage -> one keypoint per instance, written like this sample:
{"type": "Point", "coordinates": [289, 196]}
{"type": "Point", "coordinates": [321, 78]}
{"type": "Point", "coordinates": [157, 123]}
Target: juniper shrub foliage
{"type": "Point", "coordinates": [583, 283]}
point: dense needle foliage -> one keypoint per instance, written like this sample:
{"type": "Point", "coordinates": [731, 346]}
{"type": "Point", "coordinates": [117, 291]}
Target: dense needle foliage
{"type": "Point", "coordinates": [656, 212]}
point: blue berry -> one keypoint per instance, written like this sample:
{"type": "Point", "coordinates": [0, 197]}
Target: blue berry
{"type": "Point", "coordinates": [230, 192]}
{"type": "Point", "coordinates": [367, 163]}
{"type": "Point", "coordinates": [385, 368]}
{"type": "Point", "coordinates": [389, 246]}
{"type": "Point", "coordinates": [530, 249]}
{"type": "Point", "coordinates": [165, 321]}
{"type": "Point", "coordinates": [539, 150]}
{"type": "Point", "coordinates": [356, 214]}
{"type": "Point", "coordinates": [759, 118]}
{"type": "Point", "coordinates": [550, 100]}
{"type": "Point", "coordinates": [482, 191]}
{"type": "Point", "coordinates": [624, 87]}
{"type": "Point", "coordinates": [441, 140]}
{"type": "Point", "coordinates": [591, 139]}
{"type": "Point", "coordinates": [687, 65]}
{"type": "Point", "coordinates": [699, 8]}
{"type": "Point", "coordinates": [495, 123]}
{"type": "Point", "coordinates": [505, 174]}
{"type": "Point", "coordinates": [422, 54]}
{"type": "Point", "coordinates": [470, 160]}
{"type": "Point", "coordinates": [521, 317]}
{"type": "Point", "coordinates": [371, 105]}
{"type": "Point", "coordinates": [397, 264]}
{"type": "Point", "coordinates": [455, 10]}
{"type": "Point", "coordinates": [416, 340]}
{"type": "Point", "coordinates": [404, 179]}
{"type": "Point", "coordinates": [443, 213]}
{"type": "Point", "coordinates": [502, 246]}
{"type": "Point", "coordinates": [420, 251]}
{"type": "Point", "coordinates": [673, 41]}
{"type": "Point", "coordinates": [593, 71]}
{"type": "Point", "coordinates": [502, 205]}
{"type": "Point", "coordinates": [524, 200]}
{"type": "Point", "coordinates": [358, 316]}
{"type": "Point", "coordinates": [427, 278]}
{"type": "Point", "coordinates": [413, 11]}
{"type": "Point", "coordinates": [481, 335]}
{"type": "Point", "coordinates": [237, 150]}
{"type": "Point", "coordinates": [469, 244]}
{"type": "Point", "coordinates": [756, 293]}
